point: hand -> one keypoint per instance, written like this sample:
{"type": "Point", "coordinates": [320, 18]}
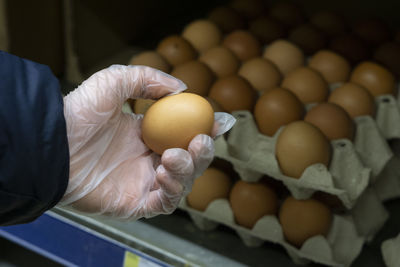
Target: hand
{"type": "Point", "coordinates": [112, 171]}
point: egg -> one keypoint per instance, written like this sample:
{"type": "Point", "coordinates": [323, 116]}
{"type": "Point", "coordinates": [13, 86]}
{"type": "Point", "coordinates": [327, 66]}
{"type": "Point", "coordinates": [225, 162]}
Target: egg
{"type": "Point", "coordinates": [176, 50]}
{"type": "Point", "coordinates": [351, 47]}
{"type": "Point", "coordinates": [151, 59]}
{"type": "Point", "coordinates": [303, 219]}
{"type": "Point", "coordinates": [243, 44]}
{"type": "Point", "coordinates": [388, 54]}
{"type": "Point", "coordinates": [251, 201]}
{"type": "Point", "coordinates": [287, 13]}
{"type": "Point", "coordinates": [355, 99]}
{"type": "Point", "coordinates": [248, 8]}
{"type": "Point", "coordinates": [308, 38]}
{"type": "Point", "coordinates": [266, 29]}
{"type": "Point", "coordinates": [142, 105]}
{"type": "Point", "coordinates": [233, 93]}
{"type": "Point", "coordinates": [285, 55]}
{"type": "Point", "coordinates": [196, 75]}
{"type": "Point", "coordinates": [275, 109]}
{"type": "Point", "coordinates": [173, 121]}
{"type": "Point", "coordinates": [377, 79]}
{"type": "Point", "coordinates": [330, 23]}
{"type": "Point", "coordinates": [333, 67]}
{"type": "Point", "coordinates": [202, 34]}
{"type": "Point", "coordinates": [211, 185]}
{"type": "Point", "coordinates": [332, 120]}
{"type": "Point", "coordinates": [307, 84]}
{"type": "Point", "coordinates": [374, 31]}
{"type": "Point", "coordinates": [226, 18]}
{"type": "Point", "coordinates": [216, 107]}
{"type": "Point", "coordinates": [221, 61]}
{"type": "Point", "coordinates": [300, 145]}
{"type": "Point", "coordinates": [262, 74]}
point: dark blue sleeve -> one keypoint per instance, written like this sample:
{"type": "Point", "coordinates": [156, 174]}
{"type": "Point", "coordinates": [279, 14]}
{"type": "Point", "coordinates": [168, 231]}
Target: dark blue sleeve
{"type": "Point", "coordinates": [34, 156]}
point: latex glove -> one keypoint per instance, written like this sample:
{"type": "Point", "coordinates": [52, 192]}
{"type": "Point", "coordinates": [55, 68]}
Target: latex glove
{"type": "Point", "coordinates": [112, 171]}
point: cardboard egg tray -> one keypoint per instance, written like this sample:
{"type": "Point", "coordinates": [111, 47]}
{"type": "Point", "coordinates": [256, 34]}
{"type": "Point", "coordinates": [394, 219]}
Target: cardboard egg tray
{"type": "Point", "coordinates": [341, 246]}
{"type": "Point", "coordinates": [390, 252]}
{"type": "Point", "coordinates": [353, 164]}
{"type": "Point", "coordinates": [388, 115]}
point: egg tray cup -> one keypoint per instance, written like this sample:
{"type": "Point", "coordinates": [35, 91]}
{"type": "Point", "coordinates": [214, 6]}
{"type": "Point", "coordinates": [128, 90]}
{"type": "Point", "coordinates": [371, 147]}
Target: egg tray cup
{"type": "Point", "coordinates": [340, 248]}
{"type": "Point", "coordinates": [390, 252]}
{"type": "Point", "coordinates": [353, 165]}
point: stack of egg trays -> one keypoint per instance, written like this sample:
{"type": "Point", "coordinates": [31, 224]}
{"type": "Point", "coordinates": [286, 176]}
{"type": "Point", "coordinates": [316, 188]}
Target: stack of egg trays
{"type": "Point", "coordinates": [354, 166]}
{"type": "Point", "coordinates": [390, 252]}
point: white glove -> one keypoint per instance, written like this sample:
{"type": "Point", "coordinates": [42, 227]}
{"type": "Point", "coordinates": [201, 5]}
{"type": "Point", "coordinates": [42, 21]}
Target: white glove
{"type": "Point", "coordinates": [112, 171]}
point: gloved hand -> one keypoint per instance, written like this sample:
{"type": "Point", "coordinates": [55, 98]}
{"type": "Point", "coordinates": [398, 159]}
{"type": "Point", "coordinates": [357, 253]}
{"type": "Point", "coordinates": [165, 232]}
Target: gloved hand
{"type": "Point", "coordinates": [112, 171]}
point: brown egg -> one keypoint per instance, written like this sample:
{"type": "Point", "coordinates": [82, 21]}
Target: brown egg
{"type": "Point", "coordinates": [202, 34]}
{"type": "Point", "coordinates": [176, 50]}
{"type": "Point", "coordinates": [355, 99]}
{"type": "Point", "coordinates": [248, 8]}
{"type": "Point", "coordinates": [308, 38]}
{"type": "Point", "coordinates": [151, 59]}
{"type": "Point", "coordinates": [330, 23]}
{"type": "Point", "coordinates": [351, 47]}
{"type": "Point", "coordinates": [216, 107]}
{"type": "Point", "coordinates": [275, 109]}
{"type": "Point", "coordinates": [196, 75]}
{"type": "Point", "coordinates": [332, 120]}
{"type": "Point", "coordinates": [299, 145]}
{"type": "Point", "coordinates": [221, 61]}
{"type": "Point", "coordinates": [303, 219]}
{"type": "Point", "coordinates": [285, 55]}
{"type": "Point", "coordinates": [173, 121]}
{"type": "Point", "coordinates": [226, 18]}
{"type": "Point", "coordinates": [307, 84]}
{"type": "Point", "coordinates": [243, 44]}
{"type": "Point", "coordinates": [333, 67]}
{"type": "Point", "coordinates": [287, 13]}
{"type": "Point", "coordinates": [377, 79]}
{"type": "Point", "coordinates": [374, 31]}
{"type": "Point", "coordinates": [262, 74]}
{"type": "Point", "coordinates": [251, 201]}
{"type": "Point", "coordinates": [388, 54]}
{"type": "Point", "coordinates": [267, 29]}
{"type": "Point", "coordinates": [211, 185]}
{"type": "Point", "coordinates": [233, 93]}
{"type": "Point", "coordinates": [142, 105]}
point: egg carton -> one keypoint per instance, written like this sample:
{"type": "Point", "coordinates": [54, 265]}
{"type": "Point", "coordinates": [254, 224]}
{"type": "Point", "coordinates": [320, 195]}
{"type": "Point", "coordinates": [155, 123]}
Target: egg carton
{"type": "Point", "coordinates": [352, 167]}
{"type": "Point", "coordinates": [341, 246]}
{"type": "Point", "coordinates": [390, 252]}
{"type": "Point", "coordinates": [388, 115]}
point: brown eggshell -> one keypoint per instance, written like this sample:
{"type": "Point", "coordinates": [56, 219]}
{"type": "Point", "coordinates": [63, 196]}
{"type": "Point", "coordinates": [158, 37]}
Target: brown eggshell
{"type": "Point", "coordinates": [388, 54]}
{"type": "Point", "coordinates": [221, 61]}
{"type": "Point", "coordinates": [355, 99]}
{"type": "Point", "coordinates": [173, 121]}
{"type": "Point", "coordinates": [351, 47]}
{"type": "Point", "coordinates": [333, 67]}
{"type": "Point", "coordinates": [374, 31]}
{"type": "Point", "coordinates": [377, 79]}
{"type": "Point", "coordinates": [211, 185]}
{"type": "Point", "coordinates": [285, 55]}
{"type": "Point", "coordinates": [233, 93]}
{"type": "Point", "coordinates": [248, 8]}
{"type": "Point", "coordinates": [202, 34]}
{"type": "Point", "coordinates": [300, 145]}
{"type": "Point", "coordinates": [303, 219]}
{"type": "Point", "coordinates": [262, 74]}
{"type": "Point", "coordinates": [142, 105]}
{"type": "Point", "coordinates": [330, 23]}
{"type": "Point", "coordinates": [267, 29]}
{"type": "Point", "coordinates": [332, 120]}
{"type": "Point", "coordinates": [216, 107]}
{"type": "Point", "coordinates": [176, 50]}
{"type": "Point", "coordinates": [196, 75]}
{"type": "Point", "coordinates": [287, 13]}
{"type": "Point", "coordinates": [151, 59]}
{"type": "Point", "coordinates": [251, 201]}
{"type": "Point", "coordinates": [243, 44]}
{"type": "Point", "coordinates": [307, 84]}
{"type": "Point", "coordinates": [226, 18]}
{"type": "Point", "coordinates": [308, 38]}
{"type": "Point", "coordinates": [275, 109]}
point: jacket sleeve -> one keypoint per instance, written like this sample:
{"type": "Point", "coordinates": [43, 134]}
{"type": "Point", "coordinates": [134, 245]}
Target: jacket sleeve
{"type": "Point", "coordinates": [34, 156]}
